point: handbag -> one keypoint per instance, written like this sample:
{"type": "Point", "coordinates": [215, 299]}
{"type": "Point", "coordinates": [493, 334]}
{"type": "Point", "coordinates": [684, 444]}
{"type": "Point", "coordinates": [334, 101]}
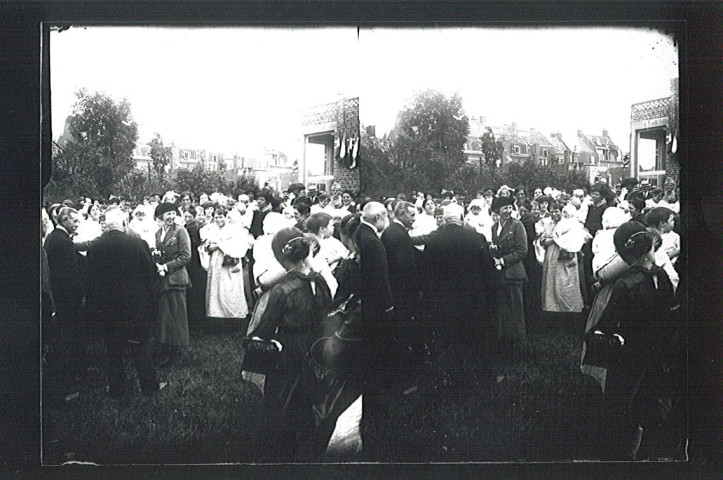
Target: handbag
{"type": "Point", "coordinates": [564, 255]}
{"type": "Point", "coordinates": [602, 350]}
{"type": "Point", "coordinates": [178, 278]}
{"type": "Point", "coordinates": [229, 261]}
{"type": "Point", "coordinates": [339, 351]}
{"type": "Point", "coordinates": [260, 356]}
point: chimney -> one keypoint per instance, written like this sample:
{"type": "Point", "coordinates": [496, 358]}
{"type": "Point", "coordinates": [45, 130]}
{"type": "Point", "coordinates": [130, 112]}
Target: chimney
{"type": "Point", "coordinates": [579, 132]}
{"type": "Point", "coordinates": [514, 126]}
{"type": "Point", "coordinates": [482, 119]}
{"type": "Point", "coordinates": [556, 135]}
{"type": "Point", "coordinates": [605, 133]}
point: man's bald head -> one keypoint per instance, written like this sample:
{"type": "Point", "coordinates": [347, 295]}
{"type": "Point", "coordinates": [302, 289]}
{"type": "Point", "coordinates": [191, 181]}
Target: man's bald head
{"type": "Point", "coordinates": [375, 213]}
{"type": "Point", "coordinates": [453, 213]}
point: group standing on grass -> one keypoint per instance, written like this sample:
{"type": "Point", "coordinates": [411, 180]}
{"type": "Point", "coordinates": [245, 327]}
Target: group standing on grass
{"type": "Point", "coordinates": [435, 273]}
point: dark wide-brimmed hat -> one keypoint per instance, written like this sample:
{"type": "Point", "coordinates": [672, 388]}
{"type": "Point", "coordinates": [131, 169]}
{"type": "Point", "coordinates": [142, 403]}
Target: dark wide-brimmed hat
{"type": "Point", "coordinates": [628, 182]}
{"type": "Point", "coordinates": [544, 199]}
{"type": "Point", "coordinates": [500, 202]}
{"type": "Point", "coordinates": [163, 208]}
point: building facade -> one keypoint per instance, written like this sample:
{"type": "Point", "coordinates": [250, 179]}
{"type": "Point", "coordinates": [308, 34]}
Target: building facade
{"type": "Point", "coordinates": [333, 127]}
{"type": "Point", "coordinates": [656, 120]}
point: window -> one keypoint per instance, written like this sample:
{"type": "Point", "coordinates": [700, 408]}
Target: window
{"type": "Point", "coordinates": [516, 149]}
{"type": "Point", "coordinates": [523, 149]}
{"type": "Point", "coordinates": [544, 153]}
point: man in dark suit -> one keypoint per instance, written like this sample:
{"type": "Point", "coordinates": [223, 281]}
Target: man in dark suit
{"type": "Point", "coordinates": [403, 277]}
{"type": "Point", "coordinates": [377, 310]}
{"type": "Point", "coordinates": [375, 292]}
{"type": "Point", "coordinates": [456, 271]}
{"type": "Point", "coordinates": [121, 273]}
{"type": "Point", "coordinates": [67, 287]}
{"type": "Point", "coordinates": [312, 193]}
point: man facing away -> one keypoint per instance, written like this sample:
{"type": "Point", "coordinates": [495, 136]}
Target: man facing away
{"type": "Point", "coordinates": [457, 270]}
{"type": "Point", "coordinates": [121, 273]}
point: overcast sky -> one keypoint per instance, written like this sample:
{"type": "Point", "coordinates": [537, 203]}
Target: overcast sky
{"type": "Point", "coordinates": [546, 78]}
{"type": "Point", "coordinates": [226, 90]}
{"type": "Point", "coordinates": [242, 89]}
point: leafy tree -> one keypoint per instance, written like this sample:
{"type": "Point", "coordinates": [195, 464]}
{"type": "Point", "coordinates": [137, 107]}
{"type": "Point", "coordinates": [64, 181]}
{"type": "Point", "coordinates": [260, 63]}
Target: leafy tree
{"type": "Point", "coordinates": [95, 153]}
{"type": "Point", "coordinates": [379, 176]}
{"type": "Point", "coordinates": [428, 141]}
{"type": "Point", "coordinates": [199, 180]}
{"type": "Point", "coordinates": [160, 157]}
{"type": "Point", "coordinates": [532, 175]}
{"type": "Point", "coordinates": [492, 150]}
{"type": "Point", "coordinates": [135, 185]}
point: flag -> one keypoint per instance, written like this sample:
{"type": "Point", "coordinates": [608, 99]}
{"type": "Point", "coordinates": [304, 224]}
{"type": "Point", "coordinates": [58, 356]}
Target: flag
{"type": "Point", "coordinates": [342, 147]}
{"type": "Point", "coordinates": [354, 152]}
{"type": "Point", "coordinates": [674, 148]}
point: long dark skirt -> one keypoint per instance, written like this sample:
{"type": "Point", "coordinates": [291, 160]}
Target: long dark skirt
{"type": "Point", "coordinates": [289, 413]}
{"type": "Point", "coordinates": [509, 311]}
{"type": "Point", "coordinates": [172, 318]}
{"type": "Point", "coordinates": [196, 295]}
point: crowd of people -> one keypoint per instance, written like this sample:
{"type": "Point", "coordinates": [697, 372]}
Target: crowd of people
{"type": "Point", "coordinates": [482, 271]}
{"type": "Point", "coordinates": [431, 271]}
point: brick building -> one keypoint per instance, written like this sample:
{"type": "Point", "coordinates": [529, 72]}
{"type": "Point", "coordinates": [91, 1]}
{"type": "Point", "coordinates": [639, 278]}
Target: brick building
{"type": "Point", "coordinates": [329, 125]}
{"type": "Point", "coordinates": [656, 120]}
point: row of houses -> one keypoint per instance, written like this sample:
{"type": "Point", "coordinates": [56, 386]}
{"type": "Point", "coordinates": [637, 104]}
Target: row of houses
{"type": "Point", "coordinates": [268, 166]}
{"type": "Point", "coordinates": [598, 155]}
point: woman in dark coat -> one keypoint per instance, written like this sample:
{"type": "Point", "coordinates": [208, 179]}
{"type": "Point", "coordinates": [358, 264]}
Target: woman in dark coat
{"type": "Point", "coordinates": [173, 252]}
{"type": "Point", "coordinates": [196, 295]}
{"type": "Point", "coordinates": [291, 314]}
{"type": "Point", "coordinates": [640, 313]}
{"type": "Point", "coordinates": [509, 249]}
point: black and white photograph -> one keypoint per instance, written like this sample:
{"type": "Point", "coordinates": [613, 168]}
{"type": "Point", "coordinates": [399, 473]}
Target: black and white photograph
{"type": "Point", "coordinates": [403, 239]}
{"type": "Point", "coordinates": [445, 258]}
{"type": "Point", "coordinates": [194, 171]}
{"type": "Point", "coordinates": [516, 170]}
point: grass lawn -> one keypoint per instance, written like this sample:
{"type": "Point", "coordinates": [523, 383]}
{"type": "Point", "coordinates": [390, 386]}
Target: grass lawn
{"type": "Point", "coordinates": [540, 409]}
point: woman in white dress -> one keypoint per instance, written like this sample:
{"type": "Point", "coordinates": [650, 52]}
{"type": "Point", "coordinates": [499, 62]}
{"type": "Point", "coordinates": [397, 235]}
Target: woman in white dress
{"type": "Point", "coordinates": [425, 223]}
{"type": "Point", "coordinates": [226, 245]}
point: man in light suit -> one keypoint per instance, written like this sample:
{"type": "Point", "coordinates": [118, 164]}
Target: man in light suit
{"type": "Point", "coordinates": [121, 274]}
